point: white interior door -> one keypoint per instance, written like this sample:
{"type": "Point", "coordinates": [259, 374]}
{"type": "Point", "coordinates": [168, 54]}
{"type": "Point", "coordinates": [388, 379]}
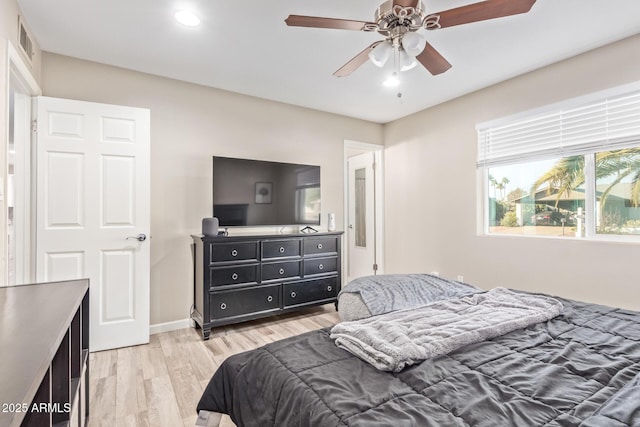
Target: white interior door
{"type": "Point", "coordinates": [361, 232]}
{"type": "Point", "coordinates": [92, 200]}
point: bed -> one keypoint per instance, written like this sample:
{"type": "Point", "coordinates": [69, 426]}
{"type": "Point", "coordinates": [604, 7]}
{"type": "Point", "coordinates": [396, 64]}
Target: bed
{"type": "Point", "coordinates": [580, 368]}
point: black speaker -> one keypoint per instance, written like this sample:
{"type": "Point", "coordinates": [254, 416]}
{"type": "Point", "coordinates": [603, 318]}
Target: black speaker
{"type": "Point", "coordinates": [210, 226]}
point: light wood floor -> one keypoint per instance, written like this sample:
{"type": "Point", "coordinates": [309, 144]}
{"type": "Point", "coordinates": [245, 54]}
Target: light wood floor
{"type": "Point", "coordinates": [160, 383]}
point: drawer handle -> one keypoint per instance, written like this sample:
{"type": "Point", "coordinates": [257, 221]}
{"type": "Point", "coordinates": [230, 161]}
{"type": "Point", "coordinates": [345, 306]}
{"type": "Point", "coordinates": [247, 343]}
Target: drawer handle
{"type": "Point", "coordinates": [234, 276]}
{"type": "Point", "coordinates": [269, 298]}
{"type": "Point", "coordinates": [281, 249]}
{"type": "Point", "coordinates": [234, 253]}
{"type": "Point", "coordinates": [329, 288]}
{"type": "Point", "coordinates": [321, 267]}
{"type": "Point", "coordinates": [319, 245]}
{"type": "Point", "coordinates": [281, 271]}
{"type": "Point", "coordinates": [293, 294]}
{"type": "Point", "coordinates": [223, 306]}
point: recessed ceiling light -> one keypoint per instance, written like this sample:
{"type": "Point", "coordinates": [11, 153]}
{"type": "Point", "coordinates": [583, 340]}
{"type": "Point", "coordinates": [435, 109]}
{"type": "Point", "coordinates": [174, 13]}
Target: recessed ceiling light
{"type": "Point", "coordinates": [187, 18]}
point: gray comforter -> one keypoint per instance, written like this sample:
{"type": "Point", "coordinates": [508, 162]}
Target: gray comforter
{"type": "Point", "coordinates": [580, 368]}
{"type": "Point", "coordinates": [392, 341]}
{"type": "Point", "coordinates": [390, 292]}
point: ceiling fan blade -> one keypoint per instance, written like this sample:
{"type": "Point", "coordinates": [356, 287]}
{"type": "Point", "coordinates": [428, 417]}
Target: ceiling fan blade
{"type": "Point", "coordinates": [356, 61]}
{"type": "Point", "coordinates": [488, 9]}
{"type": "Point", "coordinates": [433, 61]}
{"type": "Point", "coordinates": [319, 22]}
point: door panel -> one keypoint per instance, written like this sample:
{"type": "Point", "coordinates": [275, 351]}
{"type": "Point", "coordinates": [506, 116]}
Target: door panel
{"type": "Point", "coordinates": [65, 125]}
{"type": "Point", "coordinates": [64, 190]}
{"type": "Point", "coordinates": [118, 130]}
{"type": "Point", "coordinates": [64, 266]}
{"type": "Point", "coordinates": [117, 287]}
{"type": "Point", "coordinates": [117, 199]}
{"type": "Point", "coordinates": [92, 197]}
{"type": "Point", "coordinates": [361, 229]}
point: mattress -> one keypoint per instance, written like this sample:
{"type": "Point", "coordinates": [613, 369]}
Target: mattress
{"type": "Point", "coordinates": [581, 368]}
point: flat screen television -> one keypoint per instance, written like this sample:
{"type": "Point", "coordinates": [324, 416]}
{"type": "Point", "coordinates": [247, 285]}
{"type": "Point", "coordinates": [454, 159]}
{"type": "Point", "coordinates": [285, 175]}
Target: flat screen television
{"type": "Point", "coordinates": [248, 193]}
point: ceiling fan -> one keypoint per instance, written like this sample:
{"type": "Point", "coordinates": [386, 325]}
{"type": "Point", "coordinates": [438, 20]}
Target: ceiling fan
{"type": "Point", "coordinates": [398, 21]}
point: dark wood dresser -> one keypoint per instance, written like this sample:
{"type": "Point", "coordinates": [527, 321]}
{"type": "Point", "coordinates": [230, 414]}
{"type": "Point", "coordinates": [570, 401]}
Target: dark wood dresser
{"type": "Point", "coordinates": [44, 340]}
{"type": "Point", "coordinates": [239, 278]}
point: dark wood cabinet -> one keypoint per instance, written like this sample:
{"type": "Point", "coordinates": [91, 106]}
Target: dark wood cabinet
{"type": "Point", "coordinates": [44, 374]}
{"type": "Point", "coordinates": [240, 278]}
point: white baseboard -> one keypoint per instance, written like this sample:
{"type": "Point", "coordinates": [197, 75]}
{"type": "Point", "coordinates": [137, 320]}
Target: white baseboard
{"type": "Point", "coordinates": [170, 326]}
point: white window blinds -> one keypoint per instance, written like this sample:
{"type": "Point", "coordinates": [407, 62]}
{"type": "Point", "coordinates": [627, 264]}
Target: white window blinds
{"type": "Point", "coordinates": [604, 124]}
{"type": "Point", "coordinates": [309, 177]}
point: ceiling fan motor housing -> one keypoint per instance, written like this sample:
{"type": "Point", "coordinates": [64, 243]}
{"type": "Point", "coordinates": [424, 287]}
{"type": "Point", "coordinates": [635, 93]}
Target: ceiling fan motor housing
{"type": "Point", "coordinates": [397, 20]}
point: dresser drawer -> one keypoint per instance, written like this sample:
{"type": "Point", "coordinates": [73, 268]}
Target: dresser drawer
{"type": "Point", "coordinates": [281, 248]}
{"type": "Point", "coordinates": [320, 245]}
{"type": "Point", "coordinates": [281, 270]}
{"type": "Point", "coordinates": [310, 291]}
{"type": "Point", "coordinates": [234, 251]}
{"type": "Point", "coordinates": [232, 275]}
{"type": "Point", "coordinates": [320, 266]}
{"type": "Point", "coordinates": [244, 301]}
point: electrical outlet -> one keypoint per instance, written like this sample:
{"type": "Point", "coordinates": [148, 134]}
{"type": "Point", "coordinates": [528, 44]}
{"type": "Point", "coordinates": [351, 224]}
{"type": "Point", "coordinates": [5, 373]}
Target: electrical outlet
{"type": "Point", "coordinates": [460, 278]}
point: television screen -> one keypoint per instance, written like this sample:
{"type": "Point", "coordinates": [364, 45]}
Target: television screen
{"type": "Point", "coordinates": [255, 192]}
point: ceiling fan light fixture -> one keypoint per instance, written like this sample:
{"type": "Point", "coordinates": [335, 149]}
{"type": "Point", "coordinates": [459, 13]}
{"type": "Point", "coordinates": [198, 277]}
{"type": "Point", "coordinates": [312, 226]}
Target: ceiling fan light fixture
{"type": "Point", "coordinates": [187, 18]}
{"type": "Point", "coordinates": [392, 80]}
{"type": "Point", "coordinates": [380, 54]}
{"type": "Point", "coordinates": [407, 62]}
{"type": "Point", "coordinates": [413, 43]}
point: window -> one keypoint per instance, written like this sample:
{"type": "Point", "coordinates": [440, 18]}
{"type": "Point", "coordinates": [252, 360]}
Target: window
{"type": "Point", "coordinates": [308, 196]}
{"type": "Point", "coordinates": [572, 170]}
{"type": "Point", "coordinates": [617, 190]}
{"type": "Point", "coordinates": [522, 200]}
{"type": "Point", "coordinates": [308, 203]}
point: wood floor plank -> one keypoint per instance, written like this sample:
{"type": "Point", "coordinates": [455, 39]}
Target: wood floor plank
{"type": "Point", "coordinates": [103, 364]}
{"type": "Point", "coordinates": [163, 404]}
{"type": "Point", "coordinates": [186, 386]}
{"type": "Point", "coordinates": [130, 396]}
{"type": "Point", "coordinates": [159, 384]}
{"type": "Point", "coordinates": [190, 421]}
{"type": "Point", "coordinates": [133, 420]}
{"type": "Point", "coordinates": [153, 361]}
{"type": "Point", "coordinates": [226, 422]}
{"type": "Point", "coordinates": [202, 361]}
{"type": "Point", "coordinates": [102, 401]}
{"type": "Point", "coordinates": [174, 353]}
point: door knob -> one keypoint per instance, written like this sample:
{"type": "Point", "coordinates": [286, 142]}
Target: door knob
{"type": "Point", "coordinates": [140, 237]}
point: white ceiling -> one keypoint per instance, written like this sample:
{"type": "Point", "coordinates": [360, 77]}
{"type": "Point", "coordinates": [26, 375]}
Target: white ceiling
{"type": "Point", "coordinates": [245, 46]}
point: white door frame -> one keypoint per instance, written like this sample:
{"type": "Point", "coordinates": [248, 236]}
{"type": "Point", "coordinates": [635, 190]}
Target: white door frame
{"type": "Point", "coordinates": [20, 80]}
{"type": "Point", "coordinates": [352, 148]}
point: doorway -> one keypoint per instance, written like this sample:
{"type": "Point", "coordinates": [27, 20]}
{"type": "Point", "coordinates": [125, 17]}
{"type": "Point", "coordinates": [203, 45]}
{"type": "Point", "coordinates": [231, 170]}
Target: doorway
{"type": "Point", "coordinates": [363, 209]}
{"type": "Point", "coordinates": [19, 267]}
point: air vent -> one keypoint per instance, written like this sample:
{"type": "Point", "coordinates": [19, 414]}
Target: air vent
{"type": "Point", "coordinates": [24, 40]}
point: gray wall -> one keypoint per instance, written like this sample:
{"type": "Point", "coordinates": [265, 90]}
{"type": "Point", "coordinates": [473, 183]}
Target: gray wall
{"type": "Point", "coordinates": [431, 191]}
{"type": "Point", "coordinates": [190, 124]}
